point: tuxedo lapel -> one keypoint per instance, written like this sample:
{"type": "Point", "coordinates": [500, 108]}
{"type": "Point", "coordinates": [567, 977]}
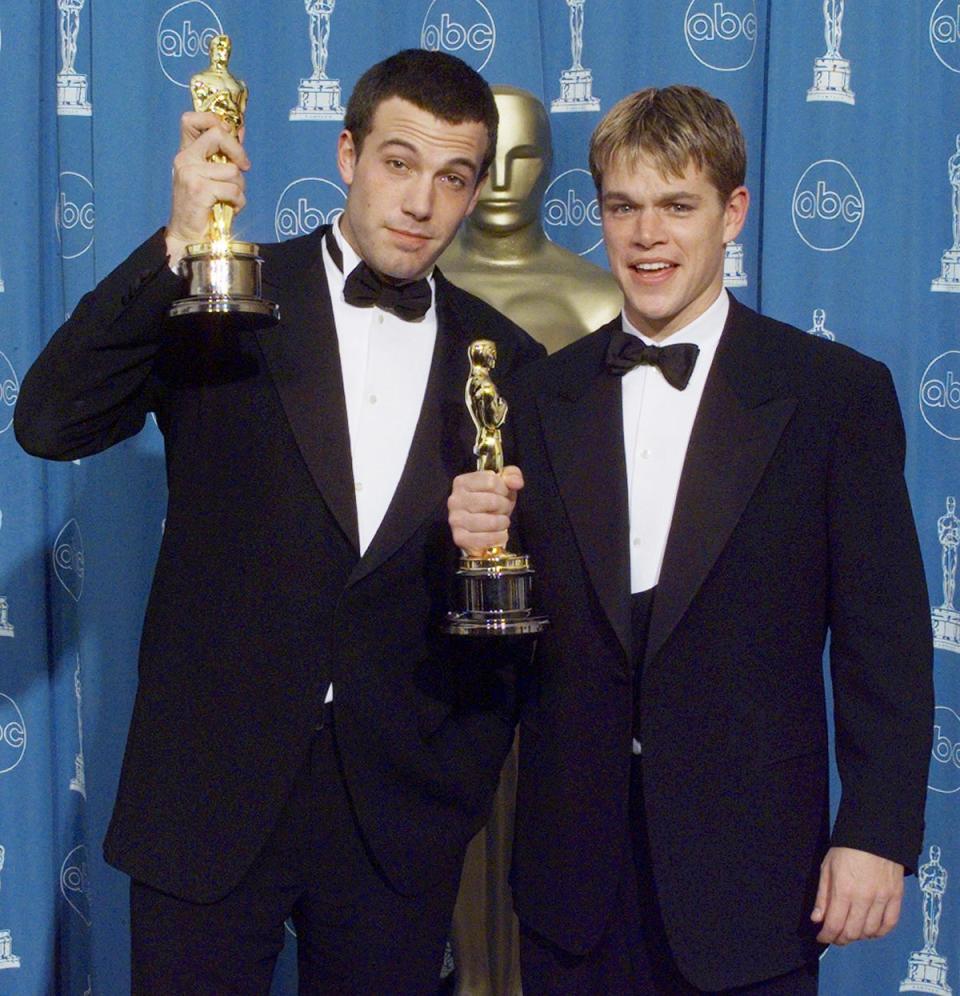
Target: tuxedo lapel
{"type": "Point", "coordinates": [583, 430]}
{"type": "Point", "coordinates": [738, 424]}
{"type": "Point", "coordinates": [440, 448]}
{"type": "Point", "coordinates": [303, 356]}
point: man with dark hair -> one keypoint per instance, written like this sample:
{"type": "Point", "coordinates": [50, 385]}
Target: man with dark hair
{"type": "Point", "coordinates": [448, 88]}
{"type": "Point", "coordinates": [707, 494]}
{"type": "Point", "coordinates": [305, 742]}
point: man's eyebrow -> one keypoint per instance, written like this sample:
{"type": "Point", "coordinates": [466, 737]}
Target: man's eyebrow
{"type": "Point", "coordinates": [680, 195]}
{"type": "Point", "coordinates": [464, 161]}
{"type": "Point", "coordinates": [387, 142]}
{"type": "Point", "coordinates": [669, 195]}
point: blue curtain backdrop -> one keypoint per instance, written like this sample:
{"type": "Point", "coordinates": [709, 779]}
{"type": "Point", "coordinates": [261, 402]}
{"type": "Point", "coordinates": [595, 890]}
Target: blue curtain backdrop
{"type": "Point", "coordinates": [852, 114]}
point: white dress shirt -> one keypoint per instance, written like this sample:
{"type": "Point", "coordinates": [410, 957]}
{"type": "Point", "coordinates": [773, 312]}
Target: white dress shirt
{"type": "Point", "coordinates": [657, 421]}
{"type": "Point", "coordinates": [385, 363]}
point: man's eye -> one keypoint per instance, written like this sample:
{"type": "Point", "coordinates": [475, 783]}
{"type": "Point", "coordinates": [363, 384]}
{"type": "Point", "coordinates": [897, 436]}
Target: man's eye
{"type": "Point", "coordinates": [455, 181]}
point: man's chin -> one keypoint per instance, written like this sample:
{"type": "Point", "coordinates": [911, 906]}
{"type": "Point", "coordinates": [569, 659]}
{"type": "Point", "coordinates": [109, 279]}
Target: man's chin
{"type": "Point", "coordinates": [405, 268]}
{"type": "Point", "coordinates": [399, 275]}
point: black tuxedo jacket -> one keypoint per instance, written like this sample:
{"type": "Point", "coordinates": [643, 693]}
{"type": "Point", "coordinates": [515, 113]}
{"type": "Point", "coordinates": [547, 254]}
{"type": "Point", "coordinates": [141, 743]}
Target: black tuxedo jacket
{"type": "Point", "coordinates": [261, 597]}
{"type": "Point", "coordinates": [792, 521]}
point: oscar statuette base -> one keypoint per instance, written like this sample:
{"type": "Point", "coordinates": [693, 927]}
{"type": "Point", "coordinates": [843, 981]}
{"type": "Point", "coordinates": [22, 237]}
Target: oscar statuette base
{"type": "Point", "coordinates": [831, 81]}
{"type": "Point", "coordinates": [72, 95]}
{"type": "Point", "coordinates": [927, 974]}
{"type": "Point", "coordinates": [949, 279]}
{"type": "Point", "coordinates": [494, 596]}
{"type": "Point", "coordinates": [224, 285]}
{"type": "Point", "coordinates": [318, 100]}
{"type": "Point", "coordinates": [946, 628]}
{"type": "Point", "coordinates": [576, 92]}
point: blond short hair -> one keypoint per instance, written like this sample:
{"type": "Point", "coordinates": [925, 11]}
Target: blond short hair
{"type": "Point", "coordinates": [672, 127]}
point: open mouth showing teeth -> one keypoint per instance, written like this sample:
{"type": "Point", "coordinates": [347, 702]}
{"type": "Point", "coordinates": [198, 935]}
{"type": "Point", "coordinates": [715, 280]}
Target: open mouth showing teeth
{"type": "Point", "coordinates": [651, 267]}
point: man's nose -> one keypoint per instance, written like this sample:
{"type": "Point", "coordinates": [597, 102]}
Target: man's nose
{"type": "Point", "coordinates": [648, 228]}
{"type": "Point", "coordinates": [418, 197]}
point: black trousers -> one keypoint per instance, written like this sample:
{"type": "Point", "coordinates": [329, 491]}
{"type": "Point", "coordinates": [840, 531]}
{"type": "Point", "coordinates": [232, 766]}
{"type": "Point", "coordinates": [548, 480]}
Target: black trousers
{"type": "Point", "coordinates": [355, 934]}
{"type": "Point", "coordinates": [633, 957]}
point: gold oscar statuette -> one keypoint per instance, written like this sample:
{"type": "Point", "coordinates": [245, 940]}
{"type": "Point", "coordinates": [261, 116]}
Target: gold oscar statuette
{"type": "Point", "coordinates": [223, 275]}
{"type": "Point", "coordinates": [494, 588]}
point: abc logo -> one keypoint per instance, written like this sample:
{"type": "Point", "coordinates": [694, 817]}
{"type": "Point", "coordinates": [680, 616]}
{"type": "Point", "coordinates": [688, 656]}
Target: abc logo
{"type": "Point", "coordinates": [68, 559]}
{"type": "Point", "coordinates": [945, 33]}
{"type": "Point", "coordinates": [13, 734]}
{"type": "Point", "coordinates": [183, 39]}
{"type": "Point", "coordinates": [722, 34]}
{"type": "Point", "coordinates": [74, 215]}
{"type": "Point", "coordinates": [940, 395]}
{"type": "Point", "coordinates": [74, 882]}
{"type": "Point", "coordinates": [9, 392]}
{"type": "Point", "coordinates": [464, 28]}
{"type": "Point", "coordinates": [945, 754]}
{"type": "Point", "coordinates": [306, 204]}
{"type": "Point", "coordinates": [828, 206]}
{"type": "Point", "coordinates": [571, 214]}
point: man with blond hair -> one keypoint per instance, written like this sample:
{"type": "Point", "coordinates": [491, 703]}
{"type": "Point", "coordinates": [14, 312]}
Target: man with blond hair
{"type": "Point", "coordinates": [706, 494]}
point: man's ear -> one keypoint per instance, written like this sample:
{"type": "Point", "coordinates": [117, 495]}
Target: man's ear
{"type": "Point", "coordinates": [735, 213]}
{"type": "Point", "coordinates": [346, 156]}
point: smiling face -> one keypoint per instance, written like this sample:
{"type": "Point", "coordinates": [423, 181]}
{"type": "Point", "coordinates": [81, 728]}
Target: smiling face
{"type": "Point", "coordinates": [665, 240]}
{"type": "Point", "coordinates": [414, 182]}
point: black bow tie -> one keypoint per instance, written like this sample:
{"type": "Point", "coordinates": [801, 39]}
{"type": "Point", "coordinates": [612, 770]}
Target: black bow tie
{"type": "Point", "coordinates": [365, 288]}
{"type": "Point", "coordinates": [675, 362]}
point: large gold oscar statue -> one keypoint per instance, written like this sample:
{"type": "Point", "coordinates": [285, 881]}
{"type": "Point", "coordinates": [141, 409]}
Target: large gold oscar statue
{"type": "Point", "coordinates": [503, 256]}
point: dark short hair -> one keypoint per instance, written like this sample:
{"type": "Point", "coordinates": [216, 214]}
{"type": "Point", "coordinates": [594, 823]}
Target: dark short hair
{"type": "Point", "coordinates": [672, 127]}
{"type": "Point", "coordinates": [436, 82]}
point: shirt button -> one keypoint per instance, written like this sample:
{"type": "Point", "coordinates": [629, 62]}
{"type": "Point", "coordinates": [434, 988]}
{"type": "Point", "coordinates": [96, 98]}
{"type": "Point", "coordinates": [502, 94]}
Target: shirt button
{"type": "Point", "coordinates": [373, 399]}
{"type": "Point", "coordinates": [380, 318]}
{"type": "Point", "coordinates": [644, 454]}
{"type": "Point", "coordinates": [637, 541]}
{"type": "Point", "coordinates": [357, 486]}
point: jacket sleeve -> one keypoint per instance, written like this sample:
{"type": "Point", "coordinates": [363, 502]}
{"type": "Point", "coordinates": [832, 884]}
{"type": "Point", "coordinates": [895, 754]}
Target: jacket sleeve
{"type": "Point", "coordinates": [93, 384]}
{"type": "Point", "coordinates": [881, 645]}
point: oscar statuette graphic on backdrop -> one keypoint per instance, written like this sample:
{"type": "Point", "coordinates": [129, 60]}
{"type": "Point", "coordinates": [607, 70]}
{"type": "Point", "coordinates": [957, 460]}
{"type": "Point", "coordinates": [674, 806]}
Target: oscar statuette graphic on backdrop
{"type": "Point", "coordinates": [927, 969]}
{"type": "Point", "coordinates": [223, 275]}
{"type": "Point", "coordinates": [819, 327]}
{"type": "Point", "coordinates": [318, 95]}
{"type": "Point", "coordinates": [946, 618]}
{"type": "Point", "coordinates": [576, 83]}
{"type": "Point", "coordinates": [734, 274]}
{"type": "Point", "coordinates": [6, 627]}
{"type": "Point", "coordinates": [7, 958]}
{"type": "Point", "coordinates": [71, 85]}
{"type": "Point", "coordinates": [831, 72]}
{"type": "Point", "coordinates": [949, 279]}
